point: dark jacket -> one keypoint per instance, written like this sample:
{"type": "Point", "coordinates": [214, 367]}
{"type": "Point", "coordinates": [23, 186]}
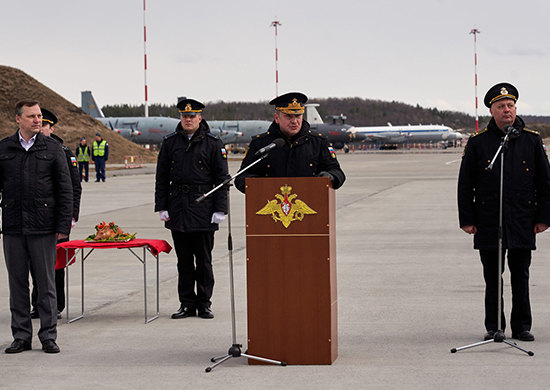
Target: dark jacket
{"type": "Point", "coordinates": [526, 187]}
{"type": "Point", "coordinates": [75, 176]}
{"type": "Point", "coordinates": [304, 155]}
{"type": "Point", "coordinates": [185, 170]}
{"type": "Point", "coordinates": [36, 188]}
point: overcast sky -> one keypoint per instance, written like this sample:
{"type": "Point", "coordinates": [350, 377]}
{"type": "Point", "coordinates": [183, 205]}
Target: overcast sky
{"type": "Point", "coordinates": [416, 52]}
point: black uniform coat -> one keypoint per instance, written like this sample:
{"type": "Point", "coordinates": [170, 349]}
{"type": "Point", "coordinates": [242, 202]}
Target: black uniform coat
{"type": "Point", "coordinates": [37, 196]}
{"type": "Point", "coordinates": [75, 176]}
{"type": "Point", "coordinates": [199, 161]}
{"type": "Point", "coordinates": [526, 189]}
{"type": "Point", "coordinates": [304, 155]}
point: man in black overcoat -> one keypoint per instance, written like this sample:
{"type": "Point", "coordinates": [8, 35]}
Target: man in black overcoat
{"type": "Point", "coordinates": [526, 205]}
{"type": "Point", "coordinates": [191, 162]}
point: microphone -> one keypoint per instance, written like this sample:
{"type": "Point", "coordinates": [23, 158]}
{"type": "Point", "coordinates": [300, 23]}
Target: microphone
{"type": "Point", "coordinates": [511, 131]}
{"type": "Point", "coordinates": [275, 144]}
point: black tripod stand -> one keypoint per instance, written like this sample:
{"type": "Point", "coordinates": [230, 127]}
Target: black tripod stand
{"type": "Point", "coordinates": [499, 334]}
{"type": "Point", "coordinates": [235, 349]}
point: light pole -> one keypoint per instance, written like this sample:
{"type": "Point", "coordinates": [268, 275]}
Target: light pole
{"type": "Point", "coordinates": [475, 31]}
{"type": "Point", "coordinates": [145, 59]}
{"type": "Point", "coordinates": [276, 23]}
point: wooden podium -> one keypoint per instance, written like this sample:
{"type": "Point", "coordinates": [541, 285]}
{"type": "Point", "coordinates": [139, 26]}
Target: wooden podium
{"type": "Point", "coordinates": [291, 270]}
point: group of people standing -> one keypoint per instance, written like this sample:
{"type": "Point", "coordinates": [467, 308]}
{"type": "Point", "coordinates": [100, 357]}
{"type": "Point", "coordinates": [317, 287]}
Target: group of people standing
{"type": "Point", "coordinates": [99, 155]}
{"type": "Point", "coordinates": [40, 186]}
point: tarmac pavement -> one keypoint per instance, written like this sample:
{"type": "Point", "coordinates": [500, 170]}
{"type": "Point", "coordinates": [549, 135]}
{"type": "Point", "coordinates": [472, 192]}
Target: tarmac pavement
{"type": "Point", "coordinates": [410, 288]}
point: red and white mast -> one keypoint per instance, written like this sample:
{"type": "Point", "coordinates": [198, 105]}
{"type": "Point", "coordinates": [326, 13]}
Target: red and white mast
{"type": "Point", "coordinates": [475, 31]}
{"type": "Point", "coordinates": [145, 59]}
{"type": "Point", "coordinates": [276, 23]}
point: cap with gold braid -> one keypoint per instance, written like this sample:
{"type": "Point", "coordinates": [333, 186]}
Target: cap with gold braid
{"type": "Point", "coordinates": [48, 117]}
{"type": "Point", "coordinates": [190, 107]}
{"type": "Point", "coordinates": [290, 103]}
{"type": "Point", "coordinates": [499, 92]}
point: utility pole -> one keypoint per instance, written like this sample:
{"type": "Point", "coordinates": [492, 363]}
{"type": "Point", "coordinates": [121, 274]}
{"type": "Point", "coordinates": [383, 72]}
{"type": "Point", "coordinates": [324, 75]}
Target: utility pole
{"type": "Point", "coordinates": [145, 59]}
{"type": "Point", "coordinates": [276, 23]}
{"type": "Point", "coordinates": [475, 31]}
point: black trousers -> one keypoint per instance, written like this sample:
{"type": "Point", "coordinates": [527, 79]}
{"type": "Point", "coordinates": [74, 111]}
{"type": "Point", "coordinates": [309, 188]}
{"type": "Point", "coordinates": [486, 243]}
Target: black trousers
{"type": "Point", "coordinates": [194, 252]}
{"type": "Point", "coordinates": [519, 261]}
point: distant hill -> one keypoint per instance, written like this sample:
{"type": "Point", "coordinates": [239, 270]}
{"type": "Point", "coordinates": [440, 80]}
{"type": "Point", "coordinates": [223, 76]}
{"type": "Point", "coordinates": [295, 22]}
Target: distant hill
{"type": "Point", "coordinates": [74, 123]}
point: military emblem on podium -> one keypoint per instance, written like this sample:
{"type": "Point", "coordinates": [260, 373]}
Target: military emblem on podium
{"type": "Point", "coordinates": [286, 208]}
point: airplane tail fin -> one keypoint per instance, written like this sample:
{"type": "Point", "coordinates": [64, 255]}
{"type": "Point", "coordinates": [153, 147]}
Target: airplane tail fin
{"type": "Point", "coordinates": [89, 105]}
{"type": "Point", "coordinates": [312, 115]}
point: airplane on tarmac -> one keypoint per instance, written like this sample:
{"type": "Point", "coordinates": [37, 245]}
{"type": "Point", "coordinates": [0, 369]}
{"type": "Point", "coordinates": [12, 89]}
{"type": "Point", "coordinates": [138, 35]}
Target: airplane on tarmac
{"type": "Point", "coordinates": [339, 135]}
{"type": "Point", "coordinates": [152, 130]}
{"type": "Point", "coordinates": [408, 134]}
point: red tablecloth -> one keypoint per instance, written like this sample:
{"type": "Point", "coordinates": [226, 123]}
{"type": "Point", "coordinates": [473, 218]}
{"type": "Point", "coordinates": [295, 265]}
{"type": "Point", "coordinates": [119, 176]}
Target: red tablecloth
{"type": "Point", "coordinates": [156, 246]}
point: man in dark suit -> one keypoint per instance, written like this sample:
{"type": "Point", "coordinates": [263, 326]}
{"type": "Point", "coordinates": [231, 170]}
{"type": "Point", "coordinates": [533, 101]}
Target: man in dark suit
{"type": "Point", "coordinates": [37, 201]}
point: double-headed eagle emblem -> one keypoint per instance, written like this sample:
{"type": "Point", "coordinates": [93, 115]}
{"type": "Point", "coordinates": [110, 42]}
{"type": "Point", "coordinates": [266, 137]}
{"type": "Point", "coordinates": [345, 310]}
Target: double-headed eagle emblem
{"type": "Point", "coordinates": [283, 209]}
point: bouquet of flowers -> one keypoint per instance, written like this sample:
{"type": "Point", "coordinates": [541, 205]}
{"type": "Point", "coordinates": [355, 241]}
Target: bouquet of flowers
{"type": "Point", "coordinates": [109, 233]}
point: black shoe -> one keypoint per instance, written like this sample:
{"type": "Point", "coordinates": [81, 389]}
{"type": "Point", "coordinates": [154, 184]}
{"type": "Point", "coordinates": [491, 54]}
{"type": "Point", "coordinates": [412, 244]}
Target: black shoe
{"type": "Point", "coordinates": [19, 345]}
{"type": "Point", "coordinates": [97, 181]}
{"type": "Point", "coordinates": [34, 313]}
{"type": "Point", "coordinates": [59, 316]}
{"type": "Point", "coordinates": [206, 313]}
{"type": "Point", "coordinates": [524, 336]}
{"type": "Point", "coordinates": [184, 312]}
{"type": "Point", "coordinates": [490, 335]}
{"type": "Point", "coordinates": [49, 346]}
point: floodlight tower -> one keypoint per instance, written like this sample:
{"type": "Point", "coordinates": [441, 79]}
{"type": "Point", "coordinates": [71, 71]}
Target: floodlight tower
{"type": "Point", "coordinates": [475, 31]}
{"type": "Point", "coordinates": [145, 59]}
{"type": "Point", "coordinates": [276, 23]}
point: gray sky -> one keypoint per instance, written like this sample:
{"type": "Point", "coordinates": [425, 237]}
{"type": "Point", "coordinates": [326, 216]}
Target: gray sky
{"type": "Point", "coordinates": [416, 52]}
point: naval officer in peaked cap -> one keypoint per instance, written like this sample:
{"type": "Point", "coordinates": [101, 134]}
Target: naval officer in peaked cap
{"type": "Point", "coordinates": [526, 205]}
{"type": "Point", "coordinates": [191, 162]}
{"type": "Point", "coordinates": [303, 153]}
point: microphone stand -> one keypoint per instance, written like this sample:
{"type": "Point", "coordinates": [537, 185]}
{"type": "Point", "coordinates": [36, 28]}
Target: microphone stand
{"type": "Point", "coordinates": [499, 336]}
{"type": "Point", "coordinates": [235, 349]}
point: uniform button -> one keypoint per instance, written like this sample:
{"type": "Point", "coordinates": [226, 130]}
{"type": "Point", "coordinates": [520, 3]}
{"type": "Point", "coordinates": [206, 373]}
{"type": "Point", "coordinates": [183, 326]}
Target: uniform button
{"type": "Point", "coordinates": [527, 169]}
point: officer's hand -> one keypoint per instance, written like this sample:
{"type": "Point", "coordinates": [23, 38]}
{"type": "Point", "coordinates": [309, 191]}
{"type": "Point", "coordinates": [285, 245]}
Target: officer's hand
{"type": "Point", "coordinates": [163, 214]}
{"type": "Point", "coordinates": [326, 174]}
{"type": "Point", "coordinates": [540, 227]}
{"type": "Point", "coordinates": [470, 229]}
{"type": "Point", "coordinates": [218, 217]}
{"type": "Point", "coordinates": [61, 236]}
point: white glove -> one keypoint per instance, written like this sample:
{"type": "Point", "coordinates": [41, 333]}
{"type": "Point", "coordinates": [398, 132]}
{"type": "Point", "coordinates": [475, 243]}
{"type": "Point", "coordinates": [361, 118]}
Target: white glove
{"type": "Point", "coordinates": [218, 217]}
{"type": "Point", "coordinates": [73, 222]}
{"type": "Point", "coordinates": [163, 214]}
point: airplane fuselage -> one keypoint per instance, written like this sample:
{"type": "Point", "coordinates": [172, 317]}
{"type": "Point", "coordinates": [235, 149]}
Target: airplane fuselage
{"type": "Point", "coordinates": [410, 133]}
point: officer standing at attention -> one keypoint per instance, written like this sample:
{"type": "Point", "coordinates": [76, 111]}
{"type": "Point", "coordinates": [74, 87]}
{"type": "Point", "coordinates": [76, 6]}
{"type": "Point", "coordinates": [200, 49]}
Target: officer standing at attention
{"type": "Point", "coordinates": [49, 119]}
{"type": "Point", "coordinates": [100, 154]}
{"type": "Point", "coordinates": [526, 205]}
{"type": "Point", "coordinates": [36, 212]}
{"type": "Point", "coordinates": [191, 162]}
{"type": "Point", "coordinates": [303, 154]}
{"type": "Point", "coordinates": [83, 158]}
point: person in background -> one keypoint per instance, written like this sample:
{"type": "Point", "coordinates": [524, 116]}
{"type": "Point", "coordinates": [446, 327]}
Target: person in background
{"type": "Point", "coordinates": [83, 158]}
{"type": "Point", "coordinates": [49, 119]}
{"type": "Point", "coordinates": [100, 154]}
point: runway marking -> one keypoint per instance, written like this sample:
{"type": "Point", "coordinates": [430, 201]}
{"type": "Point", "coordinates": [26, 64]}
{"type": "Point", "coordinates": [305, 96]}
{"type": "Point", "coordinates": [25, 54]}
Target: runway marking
{"type": "Point", "coordinates": [453, 161]}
